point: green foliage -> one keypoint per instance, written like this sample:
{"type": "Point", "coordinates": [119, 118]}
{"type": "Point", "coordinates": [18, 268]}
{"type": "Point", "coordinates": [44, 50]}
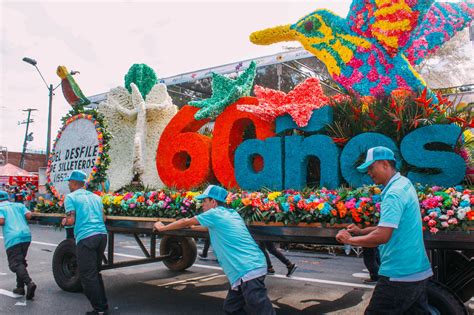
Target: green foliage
{"type": "Point", "coordinates": [143, 76]}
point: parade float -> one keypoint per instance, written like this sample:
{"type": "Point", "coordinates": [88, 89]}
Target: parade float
{"type": "Point", "coordinates": [288, 158]}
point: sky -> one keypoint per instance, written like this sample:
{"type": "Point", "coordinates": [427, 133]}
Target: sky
{"type": "Point", "coordinates": [102, 40]}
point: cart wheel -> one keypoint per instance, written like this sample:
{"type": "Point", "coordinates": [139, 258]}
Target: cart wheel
{"type": "Point", "coordinates": [65, 270]}
{"type": "Point", "coordinates": [442, 300]}
{"type": "Point", "coordinates": [182, 249]}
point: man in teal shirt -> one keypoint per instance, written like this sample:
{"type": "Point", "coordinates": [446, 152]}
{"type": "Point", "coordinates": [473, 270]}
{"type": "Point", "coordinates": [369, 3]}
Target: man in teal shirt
{"type": "Point", "coordinates": [17, 238]}
{"type": "Point", "coordinates": [405, 268]}
{"type": "Point", "coordinates": [85, 211]}
{"type": "Point", "coordinates": [239, 256]}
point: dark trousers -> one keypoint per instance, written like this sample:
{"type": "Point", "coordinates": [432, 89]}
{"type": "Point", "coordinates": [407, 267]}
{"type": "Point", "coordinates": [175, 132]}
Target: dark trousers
{"type": "Point", "coordinates": [17, 263]}
{"type": "Point", "coordinates": [89, 262]}
{"type": "Point", "coordinates": [371, 261]}
{"type": "Point", "coordinates": [207, 243]}
{"type": "Point", "coordinates": [270, 246]}
{"type": "Point", "coordinates": [394, 297]}
{"type": "Point", "coordinates": [251, 294]}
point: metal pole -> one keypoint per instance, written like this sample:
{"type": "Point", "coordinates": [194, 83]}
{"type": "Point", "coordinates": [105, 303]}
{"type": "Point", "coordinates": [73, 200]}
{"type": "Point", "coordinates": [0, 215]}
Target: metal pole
{"type": "Point", "coordinates": [22, 161]}
{"type": "Point", "coordinates": [48, 140]}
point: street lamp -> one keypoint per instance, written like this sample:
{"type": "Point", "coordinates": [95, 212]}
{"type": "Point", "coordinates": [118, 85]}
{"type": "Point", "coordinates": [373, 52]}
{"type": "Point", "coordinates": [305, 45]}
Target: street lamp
{"type": "Point", "coordinates": [50, 88]}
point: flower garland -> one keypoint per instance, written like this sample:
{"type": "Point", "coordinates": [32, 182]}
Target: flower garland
{"type": "Point", "coordinates": [98, 174]}
{"type": "Point", "coordinates": [441, 209]}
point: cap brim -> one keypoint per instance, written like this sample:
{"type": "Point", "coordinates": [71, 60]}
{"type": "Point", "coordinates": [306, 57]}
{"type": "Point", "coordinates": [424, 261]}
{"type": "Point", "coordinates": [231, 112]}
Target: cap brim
{"type": "Point", "coordinates": [363, 168]}
{"type": "Point", "coordinates": [200, 197]}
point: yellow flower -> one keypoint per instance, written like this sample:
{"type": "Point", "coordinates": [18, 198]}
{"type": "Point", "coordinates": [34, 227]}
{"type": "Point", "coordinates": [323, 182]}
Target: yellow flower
{"type": "Point", "coordinates": [117, 200]}
{"type": "Point", "coordinates": [377, 190]}
{"type": "Point", "coordinates": [321, 206]}
{"type": "Point", "coordinates": [192, 194]}
{"type": "Point", "coordinates": [274, 195]}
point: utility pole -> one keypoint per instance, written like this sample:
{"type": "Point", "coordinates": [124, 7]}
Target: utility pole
{"type": "Point", "coordinates": [27, 137]}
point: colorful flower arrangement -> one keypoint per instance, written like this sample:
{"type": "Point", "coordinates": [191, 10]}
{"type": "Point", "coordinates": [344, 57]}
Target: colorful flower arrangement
{"type": "Point", "coordinates": [97, 175]}
{"type": "Point", "coordinates": [298, 103]}
{"type": "Point", "coordinates": [441, 209]}
{"type": "Point", "coordinates": [225, 91]}
{"type": "Point", "coordinates": [365, 52]}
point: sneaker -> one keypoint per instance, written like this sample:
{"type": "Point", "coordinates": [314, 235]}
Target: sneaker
{"type": "Point", "coordinates": [203, 257]}
{"type": "Point", "coordinates": [30, 290]}
{"type": "Point", "coordinates": [19, 291]}
{"type": "Point", "coordinates": [291, 269]}
{"type": "Point", "coordinates": [370, 281]}
{"type": "Point", "coordinates": [270, 271]}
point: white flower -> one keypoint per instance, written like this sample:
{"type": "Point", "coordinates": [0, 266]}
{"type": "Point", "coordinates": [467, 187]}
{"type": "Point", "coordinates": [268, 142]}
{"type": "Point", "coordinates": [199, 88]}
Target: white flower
{"type": "Point", "coordinates": [136, 126]}
{"type": "Point", "coordinates": [462, 213]}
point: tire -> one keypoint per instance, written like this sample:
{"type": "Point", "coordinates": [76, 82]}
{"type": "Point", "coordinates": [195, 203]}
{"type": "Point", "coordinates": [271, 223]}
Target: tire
{"type": "Point", "coordinates": [442, 300]}
{"type": "Point", "coordinates": [182, 249]}
{"type": "Point", "coordinates": [65, 270]}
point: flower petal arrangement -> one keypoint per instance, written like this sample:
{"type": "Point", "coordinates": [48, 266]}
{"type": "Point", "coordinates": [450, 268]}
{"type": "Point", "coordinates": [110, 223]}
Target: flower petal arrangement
{"type": "Point", "coordinates": [225, 91]}
{"type": "Point", "coordinates": [298, 103]}
{"type": "Point", "coordinates": [440, 208]}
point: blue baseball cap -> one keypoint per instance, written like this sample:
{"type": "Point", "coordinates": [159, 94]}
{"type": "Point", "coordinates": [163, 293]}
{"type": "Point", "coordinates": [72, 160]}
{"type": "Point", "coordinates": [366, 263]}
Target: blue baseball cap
{"type": "Point", "coordinates": [215, 192]}
{"type": "Point", "coordinates": [79, 176]}
{"type": "Point", "coordinates": [376, 154]}
{"type": "Point", "coordinates": [3, 195]}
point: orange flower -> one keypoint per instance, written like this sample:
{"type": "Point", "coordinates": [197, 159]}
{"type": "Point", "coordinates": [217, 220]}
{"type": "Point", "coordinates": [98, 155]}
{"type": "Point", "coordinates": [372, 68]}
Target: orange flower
{"type": "Point", "coordinates": [470, 215]}
{"type": "Point", "coordinates": [141, 199]}
{"type": "Point", "coordinates": [246, 201]}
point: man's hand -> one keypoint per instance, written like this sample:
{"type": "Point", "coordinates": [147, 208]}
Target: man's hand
{"type": "Point", "coordinates": [158, 226]}
{"type": "Point", "coordinates": [354, 229]}
{"type": "Point", "coordinates": [343, 236]}
{"type": "Point", "coordinates": [64, 221]}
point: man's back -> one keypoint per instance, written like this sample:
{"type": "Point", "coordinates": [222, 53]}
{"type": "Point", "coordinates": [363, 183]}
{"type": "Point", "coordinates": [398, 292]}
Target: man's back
{"type": "Point", "coordinates": [89, 213]}
{"type": "Point", "coordinates": [233, 245]}
{"type": "Point", "coordinates": [16, 228]}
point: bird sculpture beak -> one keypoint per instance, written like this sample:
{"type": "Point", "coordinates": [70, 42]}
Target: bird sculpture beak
{"type": "Point", "coordinates": [282, 33]}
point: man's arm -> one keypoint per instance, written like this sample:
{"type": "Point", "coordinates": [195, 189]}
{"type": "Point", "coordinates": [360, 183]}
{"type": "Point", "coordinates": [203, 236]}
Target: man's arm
{"type": "Point", "coordinates": [354, 229]}
{"type": "Point", "coordinates": [2, 221]}
{"type": "Point", "coordinates": [380, 235]}
{"type": "Point", "coordinates": [70, 219]}
{"type": "Point", "coordinates": [28, 215]}
{"type": "Point", "coordinates": [176, 225]}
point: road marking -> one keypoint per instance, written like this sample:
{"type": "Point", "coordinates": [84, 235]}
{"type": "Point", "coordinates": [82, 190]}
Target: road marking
{"type": "Point", "coordinates": [10, 294]}
{"type": "Point", "coordinates": [2, 274]}
{"type": "Point", "coordinates": [362, 275]}
{"type": "Point", "coordinates": [347, 284]}
{"type": "Point", "coordinates": [187, 280]}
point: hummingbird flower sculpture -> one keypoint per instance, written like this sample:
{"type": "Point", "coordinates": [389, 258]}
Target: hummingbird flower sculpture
{"type": "Point", "coordinates": [136, 124]}
{"type": "Point", "coordinates": [372, 51]}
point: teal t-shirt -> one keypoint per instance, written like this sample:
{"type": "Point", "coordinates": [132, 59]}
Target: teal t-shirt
{"type": "Point", "coordinates": [234, 247]}
{"type": "Point", "coordinates": [15, 230]}
{"type": "Point", "coordinates": [89, 213]}
{"type": "Point", "coordinates": [403, 257]}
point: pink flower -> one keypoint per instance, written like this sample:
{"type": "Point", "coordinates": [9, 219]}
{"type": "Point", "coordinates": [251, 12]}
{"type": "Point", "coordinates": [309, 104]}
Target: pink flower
{"type": "Point", "coordinates": [432, 223]}
{"type": "Point", "coordinates": [132, 205]}
{"type": "Point", "coordinates": [426, 218]}
{"type": "Point", "coordinates": [450, 212]}
{"type": "Point", "coordinates": [433, 214]}
{"type": "Point", "coordinates": [434, 230]}
{"type": "Point", "coordinates": [444, 224]}
{"type": "Point", "coordinates": [453, 221]}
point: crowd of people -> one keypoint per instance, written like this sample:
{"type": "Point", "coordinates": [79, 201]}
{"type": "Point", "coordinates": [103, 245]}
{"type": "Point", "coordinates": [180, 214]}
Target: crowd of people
{"type": "Point", "coordinates": [25, 193]}
{"type": "Point", "coordinates": [401, 276]}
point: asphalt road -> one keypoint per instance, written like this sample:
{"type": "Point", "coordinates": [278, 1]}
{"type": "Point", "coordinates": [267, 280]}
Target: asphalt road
{"type": "Point", "coordinates": [323, 283]}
